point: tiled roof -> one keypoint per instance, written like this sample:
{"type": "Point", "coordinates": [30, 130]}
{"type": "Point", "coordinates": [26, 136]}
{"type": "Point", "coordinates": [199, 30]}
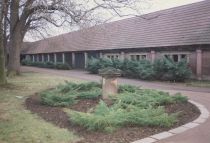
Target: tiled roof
{"type": "Point", "coordinates": [184, 25]}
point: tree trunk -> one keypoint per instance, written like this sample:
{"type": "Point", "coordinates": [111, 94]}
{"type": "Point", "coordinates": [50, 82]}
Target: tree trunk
{"type": "Point", "coordinates": [14, 54]}
{"type": "Point", "coordinates": [5, 25]}
{"type": "Point", "coordinates": [15, 39]}
{"type": "Point", "coordinates": [2, 67]}
{"type": "Point", "coordinates": [5, 52]}
{"type": "Point", "coordinates": [2, 62]}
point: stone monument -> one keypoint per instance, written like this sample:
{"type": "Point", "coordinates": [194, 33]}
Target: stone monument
{"type": "Point", "coordinates": [109, 81]}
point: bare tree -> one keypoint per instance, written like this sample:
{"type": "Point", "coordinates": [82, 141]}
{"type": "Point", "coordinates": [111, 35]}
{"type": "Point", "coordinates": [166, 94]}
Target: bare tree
{"type": "Point", "coordinates": [33, 15]}
{"type": "Point", "coordinates": [2, 56]}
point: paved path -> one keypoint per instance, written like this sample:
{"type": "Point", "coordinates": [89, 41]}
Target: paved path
{"type": "Point", "coordinates": [200, 134]}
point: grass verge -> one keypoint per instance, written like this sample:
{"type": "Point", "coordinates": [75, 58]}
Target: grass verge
{"type": "Point", "coordinates": [18, 125]}
{"type": "Point", "coordinates": [197, 83]}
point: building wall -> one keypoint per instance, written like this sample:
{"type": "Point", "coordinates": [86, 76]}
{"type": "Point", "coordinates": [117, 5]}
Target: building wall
{"type": "Point", "coordinates": [81, 58]}
{"type": "Point", "coordinates": [206, 63]}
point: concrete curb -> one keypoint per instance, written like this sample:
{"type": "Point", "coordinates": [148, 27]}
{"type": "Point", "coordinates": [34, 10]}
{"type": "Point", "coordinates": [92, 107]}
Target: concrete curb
{"type": "Point", "coordinates": [201, 119]}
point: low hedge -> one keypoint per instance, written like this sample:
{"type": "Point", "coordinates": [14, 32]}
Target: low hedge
{"type": "Point", "coordinates": [162, 69]}
{"type": "Point", "coordinates": [51, 65]}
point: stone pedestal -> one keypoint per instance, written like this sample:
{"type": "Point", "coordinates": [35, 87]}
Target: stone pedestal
{"type": "Point", "coordinates": [109, 81]}
{"type": "Point", "coordinates": [109, 87]}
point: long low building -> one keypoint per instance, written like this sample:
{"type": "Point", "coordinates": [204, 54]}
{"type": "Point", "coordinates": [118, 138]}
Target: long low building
{"type": "Point", "coordinates": [180, 33]}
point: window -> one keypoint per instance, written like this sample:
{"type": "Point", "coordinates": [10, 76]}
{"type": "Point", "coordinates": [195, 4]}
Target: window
{"type": "Point", "coordinates": [112, 56]}
{"type": "Point", "coordinates": [132, 57]}
{"type": "Point", "coordinates": [167, 56]}
{"type": "Point", "coordinates": [138, 57]}
{"type": "Point", "coordinates": [176, 57]}
{"type": "Point", "coordinates": [183, 57]}
{"type": "Point", "coordinates": [143, 57]}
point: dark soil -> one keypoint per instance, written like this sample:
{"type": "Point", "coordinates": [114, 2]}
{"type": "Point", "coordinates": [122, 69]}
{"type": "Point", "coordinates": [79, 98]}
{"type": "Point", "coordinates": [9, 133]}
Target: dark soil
{"type": "Point", "coordinates": [55, 115]}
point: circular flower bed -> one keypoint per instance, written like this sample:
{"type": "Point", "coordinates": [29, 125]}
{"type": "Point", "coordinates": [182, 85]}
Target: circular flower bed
{"type": "Point", "coordinates": [132, 114]}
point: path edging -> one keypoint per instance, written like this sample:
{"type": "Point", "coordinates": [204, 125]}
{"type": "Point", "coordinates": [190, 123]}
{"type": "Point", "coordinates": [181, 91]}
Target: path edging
{"type": "Point", "coordinates": [163, 135]}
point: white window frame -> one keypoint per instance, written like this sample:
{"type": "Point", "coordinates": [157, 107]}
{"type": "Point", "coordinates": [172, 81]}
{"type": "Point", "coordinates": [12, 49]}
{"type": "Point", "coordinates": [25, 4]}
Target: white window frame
{"type": "Point", "coordinates": [138, 54]}
{"type": "Point", "coordinates": [177, 53]}
{"type": "Point", "coordinates": [115, 55]}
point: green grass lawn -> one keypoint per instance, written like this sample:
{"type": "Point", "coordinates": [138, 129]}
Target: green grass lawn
{"type": "Point", "coordinates": [188, 83]}
{"type": "Point", "coordinates": [18, 125]}
{"type": "Point", "coordinates": [196, 83]}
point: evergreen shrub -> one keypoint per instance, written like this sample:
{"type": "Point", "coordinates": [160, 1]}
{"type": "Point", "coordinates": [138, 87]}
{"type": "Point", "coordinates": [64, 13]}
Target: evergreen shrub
{"type": "Point", "coordinates": [162, 69]}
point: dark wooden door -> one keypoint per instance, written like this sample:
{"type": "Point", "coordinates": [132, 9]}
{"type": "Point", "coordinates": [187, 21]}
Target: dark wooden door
{"type": "Point", "coordinates": [79, 60]}
{"type": "Point", "coordinates": [68, 58]}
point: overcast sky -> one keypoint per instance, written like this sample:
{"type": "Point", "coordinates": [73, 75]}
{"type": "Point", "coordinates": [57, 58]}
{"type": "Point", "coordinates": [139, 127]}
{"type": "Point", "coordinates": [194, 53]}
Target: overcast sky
{"type": "Point", "coordinates": [165, 4]}
{"type": "Point", "coordinates": [146, 7]}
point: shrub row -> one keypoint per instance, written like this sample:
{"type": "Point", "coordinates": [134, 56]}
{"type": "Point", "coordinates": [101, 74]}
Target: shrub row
{"type": "Point", "coordinates": [58, 65]}
{"type": "Point", "coordinates": [162, 69]}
